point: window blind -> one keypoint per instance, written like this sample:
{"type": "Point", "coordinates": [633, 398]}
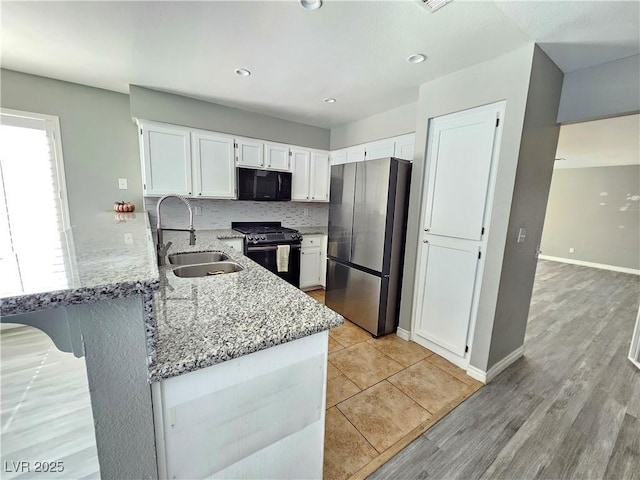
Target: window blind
{"type": "Point", "coordinates": [33, 249]}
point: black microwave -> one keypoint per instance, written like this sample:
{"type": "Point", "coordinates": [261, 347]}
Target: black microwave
{"type": "Point", "coordinates": [263, 185]}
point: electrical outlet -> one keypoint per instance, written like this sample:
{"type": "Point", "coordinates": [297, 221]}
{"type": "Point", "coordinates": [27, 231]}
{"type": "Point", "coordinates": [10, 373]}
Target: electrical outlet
{"type": "Point", "coordinates": [122, 183]}
{"type": "Point", "coordinates": [197, 210]}
{"type": "Point", "coordinates": [572, 250]}
{"type": "Point", "coordinates": [128, 238]}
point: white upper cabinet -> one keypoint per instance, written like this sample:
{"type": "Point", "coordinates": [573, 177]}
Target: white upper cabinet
{"type": "Point", "coordinates": [249, 153]}
{"type": "Point", "coordinates": [166, 154]}
{"type": "Point", "coordinates": [355, 154]}
{"type": "Point", "coordinates": [300, 168]}
{"type": "Point", "coordinates": [381, 149]}
{"type": "Point", "coordinates": [404, 146]}
{"type": "Point", "coordinates": [320, 173]}
{"type": "Point", "coordinates": [338, 157]}
{"type": "Point", "coordinates": [214, 173]}
{"type": "Point", "coordinates": [277, 157]}
{"type": "Point", "coordinates": [460, 157]}
{"type": "Point", "coordinates": [310, 175]}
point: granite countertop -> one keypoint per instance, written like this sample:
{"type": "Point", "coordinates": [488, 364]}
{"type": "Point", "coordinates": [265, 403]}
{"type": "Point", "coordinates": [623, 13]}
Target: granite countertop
{"type": "Point", "coordinates": [221, 233]}
{"type": "Point", "coordinates": [105, 256]}
{"type": "Point", "coordinates": [203, 321]}
{"type": "Point", "coordinates": [317, 230]}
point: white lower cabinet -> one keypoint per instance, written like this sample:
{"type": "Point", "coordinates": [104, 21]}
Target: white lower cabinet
{"type": "Point", "coordinates": [313, 256]}
{"type": "Point", "coordinates": [257, 416]}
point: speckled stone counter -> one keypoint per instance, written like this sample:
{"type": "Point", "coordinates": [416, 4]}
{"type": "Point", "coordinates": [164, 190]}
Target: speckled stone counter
{"type": "Point", "coordinates": [104, 257]}
{"type": "Point", "coordinates": [223, 234]}
{"type": "Point", "coordinates": [208, 320]}
{"type": "Point", "coordinates": [317, 230]}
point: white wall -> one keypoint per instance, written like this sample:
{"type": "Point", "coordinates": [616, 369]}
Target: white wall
{"type": "Point", "coordinates": [503, 78]}
{"type": "Point", "coordinates": [392, 123]}
{"type": "Point", "coordinates": [605, 90]}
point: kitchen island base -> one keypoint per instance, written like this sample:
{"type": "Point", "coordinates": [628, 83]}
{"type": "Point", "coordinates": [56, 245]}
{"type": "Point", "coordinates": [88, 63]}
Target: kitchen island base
{"type": "Point", "coordinates": [258, 416]}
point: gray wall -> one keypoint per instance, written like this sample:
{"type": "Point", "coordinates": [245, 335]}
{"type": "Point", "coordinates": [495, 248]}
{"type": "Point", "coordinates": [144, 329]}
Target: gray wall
{"type": "Point", "coordinates": [607, 234]}
{"type": "Point", "coordinates": [605, 90]}
{"type": "Point", "coordinates": [533, 178]}
{"type": "Point", "coordinates": [503, 78]}
{"type": "Point", "coordinates": [392, 123]}
{"type": "Point", "coordinates": [165, 107]}
{"type": "Point", "coordinates": [99, 140]}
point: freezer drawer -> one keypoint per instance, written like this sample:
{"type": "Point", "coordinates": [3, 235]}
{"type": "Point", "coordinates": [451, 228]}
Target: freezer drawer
{"type": "Point", "coordinates": [355, 295]}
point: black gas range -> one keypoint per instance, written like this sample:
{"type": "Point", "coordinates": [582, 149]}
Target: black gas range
{"type": "Point", "coordinates": [264, 242]}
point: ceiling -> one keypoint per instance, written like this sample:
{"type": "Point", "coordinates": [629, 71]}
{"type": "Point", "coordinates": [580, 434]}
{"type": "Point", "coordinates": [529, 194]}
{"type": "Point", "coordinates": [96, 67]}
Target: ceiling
{"type": "Point", "coordinates": [354, 51]}
{"type": "Point", "coordinates": [600, 143]}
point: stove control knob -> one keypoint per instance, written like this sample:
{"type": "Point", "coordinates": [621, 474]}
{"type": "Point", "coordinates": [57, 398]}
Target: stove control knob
{"type": "Point", "coordinates": [249, 237]}
{"type": "Point", "coordinates": [263, 237]}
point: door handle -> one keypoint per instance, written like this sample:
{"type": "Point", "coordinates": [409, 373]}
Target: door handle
{"type": "Point", "coordinates": [425, 241]}
{"type": "Point", "coordinates": [426, 229]}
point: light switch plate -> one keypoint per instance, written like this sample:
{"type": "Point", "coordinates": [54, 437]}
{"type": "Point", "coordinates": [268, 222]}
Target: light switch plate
{"type": "Point", "coordinates": [522, 234]}
{"type": "Point", "coordinates": [122, 183]}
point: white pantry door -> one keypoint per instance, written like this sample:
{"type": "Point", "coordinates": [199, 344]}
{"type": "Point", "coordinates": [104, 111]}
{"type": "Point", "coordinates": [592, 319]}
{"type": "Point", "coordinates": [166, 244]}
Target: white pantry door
{"type": "Point", "coordinates": [462, 148]}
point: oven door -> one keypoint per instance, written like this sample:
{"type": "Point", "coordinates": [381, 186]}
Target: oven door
{"type": "Point", "coordinates": [265, 255]}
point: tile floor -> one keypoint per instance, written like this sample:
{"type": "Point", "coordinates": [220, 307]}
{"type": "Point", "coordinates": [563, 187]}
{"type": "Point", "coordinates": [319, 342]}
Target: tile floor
{"type": "Point", "coordinates": [382, 393]}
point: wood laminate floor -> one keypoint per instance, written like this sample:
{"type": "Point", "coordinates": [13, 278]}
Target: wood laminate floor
{"type": "Point", "coordinates": [382, 393]}
{"type": "Point", "coordinates": [570, 409]}
{"type": "Point", "coordinates": [46, 409]}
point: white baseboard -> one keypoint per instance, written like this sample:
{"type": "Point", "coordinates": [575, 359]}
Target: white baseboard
{"type": "Point", "coordinates": [403, 334]}
{"type": "Point", "coordinates": [476, 373]}
{"type": "Point", "coordinates": [603, 266]}
{"type": "Point", "coordinates": [493, 372]}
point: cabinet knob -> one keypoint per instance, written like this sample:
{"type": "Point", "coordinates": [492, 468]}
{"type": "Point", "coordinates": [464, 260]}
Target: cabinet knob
{"type": "Point", "coordinates": [200, 194]}
{"type": "Point", "coordinates": [313, 198]}
{"type": "Point", "coordinates": [189, 193]}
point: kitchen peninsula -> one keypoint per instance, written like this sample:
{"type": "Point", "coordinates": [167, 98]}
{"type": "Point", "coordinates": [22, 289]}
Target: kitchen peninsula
{"type": "Point", "coordinates": [161, 350]}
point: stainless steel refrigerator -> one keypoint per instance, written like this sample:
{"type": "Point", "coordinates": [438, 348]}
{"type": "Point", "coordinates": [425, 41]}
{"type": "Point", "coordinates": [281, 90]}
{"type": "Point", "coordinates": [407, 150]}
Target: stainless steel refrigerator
{"type": "Point", "coordinates": [367, 228]}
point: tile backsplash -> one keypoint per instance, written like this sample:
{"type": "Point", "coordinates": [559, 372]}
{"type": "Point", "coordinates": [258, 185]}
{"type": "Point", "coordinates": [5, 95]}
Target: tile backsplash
{"type": "Point", "coordinates": [220, 213]}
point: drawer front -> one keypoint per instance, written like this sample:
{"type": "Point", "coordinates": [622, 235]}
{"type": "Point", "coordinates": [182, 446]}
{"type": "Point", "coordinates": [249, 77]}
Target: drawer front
{"type": "Point", "coordinates": [311, 241]}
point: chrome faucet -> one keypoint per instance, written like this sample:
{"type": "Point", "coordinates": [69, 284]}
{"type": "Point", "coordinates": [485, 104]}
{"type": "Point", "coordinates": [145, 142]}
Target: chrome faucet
{"type": "Point", "coordinates": [161, 247]}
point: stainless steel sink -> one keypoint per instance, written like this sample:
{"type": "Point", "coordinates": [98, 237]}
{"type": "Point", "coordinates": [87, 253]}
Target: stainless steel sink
{"type": "Point", "coordinates": [196, 257]}
{"type": "Point", "coordinates": [207, 269]}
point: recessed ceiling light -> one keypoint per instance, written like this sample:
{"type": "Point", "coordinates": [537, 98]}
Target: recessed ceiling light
{"type": "Point", "coordinates": [329, 100]}
{"type": "Point", "coordinates": [243, 72]}
{"type": "Point", "coordinates": [310, 4]}
{"type": "Point", "coordinates": [416, 58]}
